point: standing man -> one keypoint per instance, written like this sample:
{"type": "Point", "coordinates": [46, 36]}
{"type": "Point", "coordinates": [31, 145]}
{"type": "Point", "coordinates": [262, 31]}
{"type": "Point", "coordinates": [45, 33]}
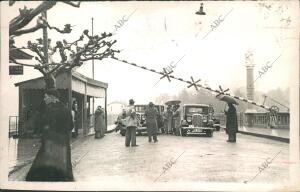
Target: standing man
{"type": "Point", "coordinates": [75, 117]}
{"type": "Point", "coordinates": [99, 122]}
{"type": "Point", "coordinates": [231, 123]}
{"type": "Point", "coordinates": [151, 114]}
{"type": "Point", "coordinates": [169, 119]}
{"type": "Point", "coordinates": [131, 125]}
{"type": "Point", "coordinates": [53, 160]}
{"type": "Point", "coordinates": [176, 120]}
{"type": "Point", "coordinates": [165, 120]}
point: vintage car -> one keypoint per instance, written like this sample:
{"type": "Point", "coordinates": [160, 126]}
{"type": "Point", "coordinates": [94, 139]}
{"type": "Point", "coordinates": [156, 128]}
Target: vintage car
{"type": "Point", "coordinates": [197, 118]}
{"type": "Point", "coordinates": [140, 112]}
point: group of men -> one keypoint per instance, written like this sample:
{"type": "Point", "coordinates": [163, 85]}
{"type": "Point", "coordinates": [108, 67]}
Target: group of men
{"type": "Point", "coordinates": [171, 122]}
{"type": "Point", "coordinates": [131, 122]}
{"type": "Point", "coordinates": [171, 119]}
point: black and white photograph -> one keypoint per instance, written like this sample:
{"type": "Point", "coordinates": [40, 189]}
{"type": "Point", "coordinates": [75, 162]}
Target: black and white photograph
{"type": "Point", "coordinates": [150, 95]}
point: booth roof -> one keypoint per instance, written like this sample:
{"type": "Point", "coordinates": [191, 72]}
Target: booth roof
{"type": "Point", "coordinates": [75, 75]}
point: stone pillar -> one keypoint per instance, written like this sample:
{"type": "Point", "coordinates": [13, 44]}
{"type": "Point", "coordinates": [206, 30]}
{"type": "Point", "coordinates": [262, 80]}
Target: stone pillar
{"type": "Point", "coordinates": [250, 77]}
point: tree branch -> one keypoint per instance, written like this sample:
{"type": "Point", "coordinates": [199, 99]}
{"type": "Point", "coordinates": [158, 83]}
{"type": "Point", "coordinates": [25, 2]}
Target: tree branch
{"type": "Point", "coordinates": [72, 3]}
{"type": "Point", "coordinates": [30, 30]}
{"type": "Point", "coordinates": [26, 16]}
{"type": "Point", "coordinates": [11, 3]}
{"type": "Point", "coordinates": [67, 28]}
{"type": "Point", "coordinates": [34, 47]}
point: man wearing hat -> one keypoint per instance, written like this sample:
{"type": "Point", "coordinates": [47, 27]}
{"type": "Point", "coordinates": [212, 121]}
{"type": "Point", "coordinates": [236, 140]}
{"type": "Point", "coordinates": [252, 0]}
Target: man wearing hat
{"type": "Point", "coordinates": [169, 119]}
{"type": "Point", "coordinates": [151, 114]}
{"type": "Point", "coordinates": [231, 123]}
{"type": "Point", "coordinates": [99, 122]}
{"type": "Point", "coordinates": [131, 125]}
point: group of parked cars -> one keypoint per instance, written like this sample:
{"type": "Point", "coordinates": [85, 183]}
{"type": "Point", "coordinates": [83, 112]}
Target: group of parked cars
{"type": "Point", "coordinates": [195, 118]}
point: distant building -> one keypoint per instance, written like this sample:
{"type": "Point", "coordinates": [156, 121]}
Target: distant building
{"type": "Point", "coordinates": [115, 107]}
{"type": "Point", "coordinates": [113, 110]}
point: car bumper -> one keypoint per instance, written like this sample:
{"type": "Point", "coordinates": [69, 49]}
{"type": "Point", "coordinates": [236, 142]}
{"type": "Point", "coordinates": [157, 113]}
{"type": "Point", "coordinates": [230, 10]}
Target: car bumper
{"type": "Point", "coordinates": [141, 129]}
{"type": "Point", "coordinates": [198, 129]}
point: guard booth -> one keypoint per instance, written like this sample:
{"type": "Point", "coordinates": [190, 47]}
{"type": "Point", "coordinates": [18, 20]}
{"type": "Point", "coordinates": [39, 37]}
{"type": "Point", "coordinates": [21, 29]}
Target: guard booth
{"type": "Point", "coordinates": [72, 86]}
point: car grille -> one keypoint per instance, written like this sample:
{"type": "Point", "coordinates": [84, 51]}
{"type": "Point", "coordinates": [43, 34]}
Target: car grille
{"type": "Point", "coordinates": [197, 120]}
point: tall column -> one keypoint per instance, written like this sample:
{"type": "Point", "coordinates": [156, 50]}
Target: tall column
{"type": "Point", "coordinates": [250, 77]}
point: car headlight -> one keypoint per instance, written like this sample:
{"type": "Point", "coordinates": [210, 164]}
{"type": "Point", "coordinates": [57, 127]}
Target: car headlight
{"type": "Point", "coordinates": [189, 119]}
{"type": "Point", "coordinates": [184, 122]}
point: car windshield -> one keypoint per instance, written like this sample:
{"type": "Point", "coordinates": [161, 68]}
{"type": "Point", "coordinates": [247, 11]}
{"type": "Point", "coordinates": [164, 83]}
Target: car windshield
{"type": "Point", "coordinates": [140, 108]}
{"type": "Point", "coordinates": [194, 110]}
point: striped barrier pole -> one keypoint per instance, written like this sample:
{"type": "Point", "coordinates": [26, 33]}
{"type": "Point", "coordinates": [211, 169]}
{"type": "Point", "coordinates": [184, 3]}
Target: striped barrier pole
{"type": "Point", "coordinates": [194, 84]}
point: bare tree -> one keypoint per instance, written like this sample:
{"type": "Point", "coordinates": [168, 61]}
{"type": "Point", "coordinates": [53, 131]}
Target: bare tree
{"type": "Point", "coordinates": [72, 54]}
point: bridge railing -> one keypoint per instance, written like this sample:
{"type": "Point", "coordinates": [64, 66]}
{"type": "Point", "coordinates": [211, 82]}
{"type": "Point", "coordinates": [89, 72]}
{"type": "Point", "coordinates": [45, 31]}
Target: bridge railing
{"type": "Point", "coordinates": [258, 120]}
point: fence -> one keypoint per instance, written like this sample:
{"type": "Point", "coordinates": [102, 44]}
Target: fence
{"type": "Point", "coordinates": [13, 126]}
{"type": "Point", "coordinates": [258, 120]}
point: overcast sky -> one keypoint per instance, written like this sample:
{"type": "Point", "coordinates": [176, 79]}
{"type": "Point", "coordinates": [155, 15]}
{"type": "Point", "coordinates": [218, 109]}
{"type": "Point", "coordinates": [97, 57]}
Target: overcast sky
{"type": "Point", "coordinates": [158, 33]}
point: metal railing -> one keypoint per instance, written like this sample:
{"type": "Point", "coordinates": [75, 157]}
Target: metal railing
{"type": "Point", "coordinates": [257, 120]}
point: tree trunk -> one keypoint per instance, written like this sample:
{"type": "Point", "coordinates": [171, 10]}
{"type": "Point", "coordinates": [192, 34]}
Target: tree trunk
{"type": "Point", "coordinates": [50, 81]}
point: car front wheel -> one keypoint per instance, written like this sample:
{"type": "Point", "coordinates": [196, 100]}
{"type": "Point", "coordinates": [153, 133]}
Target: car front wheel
{"type": "Point", "coordinates": [123, 132]}
{"type": "Point", "coordinates": [183, 132]}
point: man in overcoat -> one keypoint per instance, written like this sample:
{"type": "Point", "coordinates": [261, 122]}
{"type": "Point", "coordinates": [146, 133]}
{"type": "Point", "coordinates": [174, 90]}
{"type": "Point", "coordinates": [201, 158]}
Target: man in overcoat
{"type": "Point", "coordinates": [231, 123]}
{"type": "Point", "coordinates": [151, 115]}
{"type": "Point", "coordinates": [169, 119]}
{"type": "Point", "coordinates": [176, 120]}
{"type": "Point", "coordinates": [99, 122]}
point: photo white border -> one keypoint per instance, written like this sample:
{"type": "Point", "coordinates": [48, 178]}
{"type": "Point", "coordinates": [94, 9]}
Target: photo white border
{"type": "Point", "coordinates": [110, 185]}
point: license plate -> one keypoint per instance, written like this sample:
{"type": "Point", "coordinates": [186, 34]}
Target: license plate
{"type": "Point", "coordinates": [197, 130]}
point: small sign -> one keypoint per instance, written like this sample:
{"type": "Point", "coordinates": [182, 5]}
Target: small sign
{"type": "Point", "coordinates": [15, 70]}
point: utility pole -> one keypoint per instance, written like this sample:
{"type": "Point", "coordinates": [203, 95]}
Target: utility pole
{"type": "Point", "coordinates": [45, 38]}
{"type": "Point", "coordinates": [93, 73]}
{"type": "Point", "coordinates": [93, 55]}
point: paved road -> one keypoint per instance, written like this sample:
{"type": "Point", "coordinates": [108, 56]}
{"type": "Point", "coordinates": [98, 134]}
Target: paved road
{"type": "Point", "coordinates": [199, 159]}
{"type": "Point", "coordinates": [194, 159]}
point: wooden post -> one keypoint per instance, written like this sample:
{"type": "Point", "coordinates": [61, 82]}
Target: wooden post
{"type": "Point", "coordinates": [105, 109]}
{"type": "Point", "coordinates": [85, 123]}
{"type": "Point", "coordinates": [45, 38]}
{"type": "Point", "coordinates": [21, 115]}
{"type": "Point", "coordinates": [93, 100]}
{"type": "Point", "coordinates": [70, 91]}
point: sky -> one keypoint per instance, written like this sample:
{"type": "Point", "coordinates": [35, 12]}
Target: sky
{"type": "Point", "coordinates": [158, 33]}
